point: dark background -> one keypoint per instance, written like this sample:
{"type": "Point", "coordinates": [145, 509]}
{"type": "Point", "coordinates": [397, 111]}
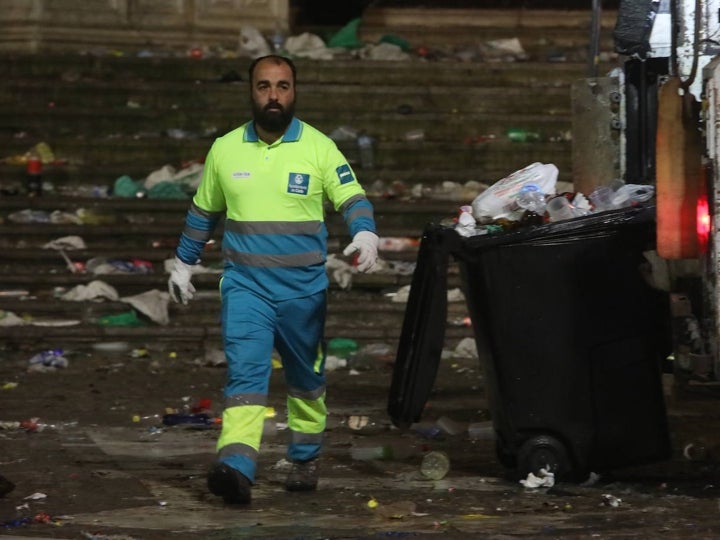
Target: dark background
{"type": "Point", "coordinates": [334, 12]}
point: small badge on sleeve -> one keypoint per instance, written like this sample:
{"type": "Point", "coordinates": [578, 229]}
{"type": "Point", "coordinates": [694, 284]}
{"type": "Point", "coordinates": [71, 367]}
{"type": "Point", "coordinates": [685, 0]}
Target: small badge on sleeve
{"type": "Point", "coordinates": [344, 173]}
{"type": "Point", "coordinates": [298, 183]}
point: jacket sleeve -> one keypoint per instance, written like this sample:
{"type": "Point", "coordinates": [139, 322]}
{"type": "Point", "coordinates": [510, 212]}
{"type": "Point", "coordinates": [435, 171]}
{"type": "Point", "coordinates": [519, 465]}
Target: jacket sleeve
{"type": "Point", "coordinates": [346, 193]}
{"type": "Point", "coordinates": [206, 209]}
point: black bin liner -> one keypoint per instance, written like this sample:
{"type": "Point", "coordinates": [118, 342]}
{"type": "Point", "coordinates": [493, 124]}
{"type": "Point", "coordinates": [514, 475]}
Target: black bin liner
{"type": "Point", "coordinates": [571, 338]}
{"type": "Point", "coordinates": [633, 27]}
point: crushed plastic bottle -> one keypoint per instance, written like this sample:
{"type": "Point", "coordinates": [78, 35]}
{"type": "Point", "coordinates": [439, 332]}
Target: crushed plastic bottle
{"type": "Point", "coordinates": [50, 357]}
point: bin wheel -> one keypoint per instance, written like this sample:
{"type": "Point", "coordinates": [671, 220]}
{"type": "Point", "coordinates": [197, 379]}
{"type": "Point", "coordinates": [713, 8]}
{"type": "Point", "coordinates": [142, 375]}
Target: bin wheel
{"type": "Point", "coordinates": [543, 452]}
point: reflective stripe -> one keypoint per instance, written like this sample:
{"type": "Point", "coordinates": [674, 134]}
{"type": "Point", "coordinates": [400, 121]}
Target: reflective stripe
{"type": "Point", "coordinates": [360, 212]}
{"type": "Point", "coordinates": [305, 438]}
{"type": "Point", "coordinates": [274, 261]}
{"type": "Point", "coordinates": [274, 227]}
{"type": "Point", "coordinates": [309, 395]}
{"type": "Point", "coordinates": [196, 234]}
{"type": "Point", "coordinates": [238, 400]}
{"type": "Point", "coordinates": [195, 209]}
{"type": "Point", "coordinates": [352, 200]}
{"type": "Point", "coordinates": [238, 449]}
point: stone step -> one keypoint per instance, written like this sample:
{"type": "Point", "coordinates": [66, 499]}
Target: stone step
{"type": "Point", "coordinates": [415, 71]}
{"type": "Point", "coordinates": [425, 161]}
{"type": "Point", "coordinates": [173, 102]}
{"type": "Point", "coordinates": [539, 31]}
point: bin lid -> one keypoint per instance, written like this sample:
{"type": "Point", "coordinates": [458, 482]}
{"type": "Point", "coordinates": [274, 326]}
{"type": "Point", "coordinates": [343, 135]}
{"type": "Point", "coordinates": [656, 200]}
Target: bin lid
{"type": "Point", "coordinates": [592, 225]}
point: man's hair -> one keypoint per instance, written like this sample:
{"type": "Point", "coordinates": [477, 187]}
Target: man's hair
{"type": "Point", "coordinates": [277, 60]}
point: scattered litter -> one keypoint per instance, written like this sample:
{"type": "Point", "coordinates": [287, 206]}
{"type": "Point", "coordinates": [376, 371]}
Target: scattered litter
{"type": "Point", "coordinates": [340, 271]}
{"type": "Point", "coordinates": [545, 479]}
{"type": "Point", "coordinates": [95, 290]}
{"type": "Point", "coordinates": [357, 422]}
{"type": "Point", "coordinates": [48, 360]}
{"type": "Point", "coordinates": [396, 510]}
{"type": "Point", "coordinates": [333, 362]}
{"type": "Point", "coordinates": [153, 304]}
{"type": "Point", "coordinates": [96, 536]}
{"type": "Point", "coordinates": [610, 500]}
{"type": "Point", "coordinates": [450, 426]}
{"type": "Point", "coordinates": [111, 346]}
{"type": "Point", "coordinates": [467, 348]}
{"type": "Point", "coordinates": [66, 243]}
{"type": "Point", "coordinates": [593, 479]}
{"type": "Point", "coordinates": [214, 358]}
{"type": "Point", "coordinates": [307, 45]}
{"type": "Point", "coordinates": [8, 318]}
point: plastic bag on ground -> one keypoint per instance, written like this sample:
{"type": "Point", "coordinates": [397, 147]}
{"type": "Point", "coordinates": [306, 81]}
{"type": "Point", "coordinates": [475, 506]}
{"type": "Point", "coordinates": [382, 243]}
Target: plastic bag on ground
{"type": "Point", "coordinates": [95, 290]}
{"type": "Point", "coordinates": [252, 43]}
{"type": "Point", "coordinates": [308, 45]}
{"type": "Point", "coordinates": [153, 304]}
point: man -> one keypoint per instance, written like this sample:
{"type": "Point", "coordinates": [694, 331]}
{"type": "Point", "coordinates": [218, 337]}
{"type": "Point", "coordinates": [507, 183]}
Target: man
{"type": "Point", "coordinates": [270, 177]}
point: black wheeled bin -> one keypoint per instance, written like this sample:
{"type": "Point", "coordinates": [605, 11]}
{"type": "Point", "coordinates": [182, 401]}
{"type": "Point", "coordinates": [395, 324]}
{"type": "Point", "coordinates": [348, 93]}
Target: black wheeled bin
{"type": "Point", "coordinates": [571, 338]}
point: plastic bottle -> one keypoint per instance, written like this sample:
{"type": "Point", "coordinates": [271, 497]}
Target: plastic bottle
{"type": "Point", "coordinates": [365, 146]}
{"type": "Point", "coordinates": [368, 453]}
{"type": "Point", "coordinates": [393, 451]}
{"type": "Point", "coordinates": [435, 465]}
{"type": "Point", "coordinates": [481, 430]}
{"type": "Point", "coordinates": [33, 175]}
{"type": "Point", "coordinates": [522, 135]}
{"type": "Point", "coordinates": [278, 38]}
{"type": "Point", "coordinates": [531, 198]}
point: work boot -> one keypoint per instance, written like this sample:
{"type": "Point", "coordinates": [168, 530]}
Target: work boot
{"type": "Point", "coordinates": [303, 476]}
{"type": "Point", "coordinates": [228, 483]}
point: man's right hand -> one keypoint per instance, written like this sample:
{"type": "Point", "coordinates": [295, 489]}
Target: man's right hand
{"type": "Point", "coordinates": [179, 286]}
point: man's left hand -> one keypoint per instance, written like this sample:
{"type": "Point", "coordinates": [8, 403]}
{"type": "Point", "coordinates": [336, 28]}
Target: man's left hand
{"type": "Point", "coordinates": [366, 244]}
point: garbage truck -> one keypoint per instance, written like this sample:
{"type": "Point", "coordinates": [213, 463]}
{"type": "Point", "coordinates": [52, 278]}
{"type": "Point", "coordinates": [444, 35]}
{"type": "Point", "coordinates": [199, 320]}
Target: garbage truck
{"type": "Point", "coordinates": [634, 289]}
{"type": "Point", "coordinates": [669, 112]}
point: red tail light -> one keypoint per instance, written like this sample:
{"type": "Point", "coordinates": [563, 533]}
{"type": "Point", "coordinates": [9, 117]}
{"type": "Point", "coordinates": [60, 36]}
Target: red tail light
{"type": "Point", "coordinates": [703, 223]}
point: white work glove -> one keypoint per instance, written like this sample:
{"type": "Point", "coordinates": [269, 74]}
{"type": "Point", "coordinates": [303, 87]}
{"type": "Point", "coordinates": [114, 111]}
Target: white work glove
{"type": "Point", "coordinates": [366, 243]}
{"type": "Point", "coordinates": [179, 286]}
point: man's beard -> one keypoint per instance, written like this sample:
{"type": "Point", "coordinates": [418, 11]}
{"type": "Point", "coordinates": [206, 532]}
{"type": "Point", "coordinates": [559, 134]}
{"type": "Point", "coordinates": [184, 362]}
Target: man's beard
{"type": "Point", "coordinates": [273, 120]}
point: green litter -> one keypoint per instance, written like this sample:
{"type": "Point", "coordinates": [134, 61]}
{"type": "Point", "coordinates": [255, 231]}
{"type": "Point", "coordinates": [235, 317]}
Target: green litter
{"type": "Point", "coordinates": [128, 318]}
{"type": "Point", "coordinates": [167, 190]}
{"type": "Point", "coordinates": [127, 187]}
{"type": "Point", "coordinates": [347, 36]}
{"type": "Point", "coordinates": [396, 40]}
{"type": "Point", "coordinates": [342, 347]}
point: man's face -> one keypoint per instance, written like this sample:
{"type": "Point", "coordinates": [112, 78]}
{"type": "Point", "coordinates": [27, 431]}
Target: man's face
{"type": "Point", "coordinates": [273, 96]}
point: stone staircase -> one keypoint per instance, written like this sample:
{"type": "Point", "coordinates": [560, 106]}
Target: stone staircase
{"type": "Point", "coordinates": [434, 122]}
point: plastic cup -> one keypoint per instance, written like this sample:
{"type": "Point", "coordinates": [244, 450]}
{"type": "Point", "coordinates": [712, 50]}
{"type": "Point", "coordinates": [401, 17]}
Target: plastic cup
{"type": "Point", "coordinates": [602, 198]}
{"type": "Point", "coordinates": [559, 208]}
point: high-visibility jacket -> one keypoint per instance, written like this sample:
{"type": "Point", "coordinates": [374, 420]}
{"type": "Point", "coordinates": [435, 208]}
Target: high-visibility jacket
{"type": "Point", "coordinates": [273, 195]}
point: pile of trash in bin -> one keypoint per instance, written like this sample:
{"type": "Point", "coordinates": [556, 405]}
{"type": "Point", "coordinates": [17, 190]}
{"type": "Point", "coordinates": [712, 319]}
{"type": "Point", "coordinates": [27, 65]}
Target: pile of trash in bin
{"type": "Point", "coordinates": [528, 197]}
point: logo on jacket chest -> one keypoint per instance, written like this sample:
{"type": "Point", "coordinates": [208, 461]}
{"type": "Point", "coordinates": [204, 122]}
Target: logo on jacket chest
{"type": "Point", "coordinates": [298, 183]}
